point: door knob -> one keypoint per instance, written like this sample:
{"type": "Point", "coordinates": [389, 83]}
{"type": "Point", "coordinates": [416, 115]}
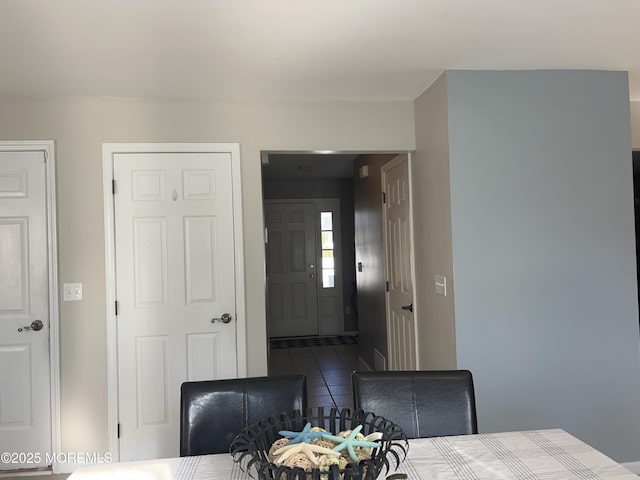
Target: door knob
{"type": "Point", "coordinates": [225, 318]}
{"type": "Point", "coordinates": [408, 307]}
{"type": "Point", "coordinates": [36, 326]}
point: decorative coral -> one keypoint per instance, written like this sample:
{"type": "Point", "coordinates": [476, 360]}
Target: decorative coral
{"type": "Point", "coordinates": [308, 449]}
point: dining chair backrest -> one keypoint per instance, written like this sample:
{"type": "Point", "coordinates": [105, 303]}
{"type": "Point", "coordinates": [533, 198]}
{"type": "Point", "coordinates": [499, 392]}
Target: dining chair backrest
{"type": "Point", "coordinates": [422, 403]}
{"type": "Point", "coordinates": [213, 412]}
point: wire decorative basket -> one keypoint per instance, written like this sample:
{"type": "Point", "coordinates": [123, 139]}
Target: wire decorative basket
{"type": "Point", "coordinates": [251, 447]}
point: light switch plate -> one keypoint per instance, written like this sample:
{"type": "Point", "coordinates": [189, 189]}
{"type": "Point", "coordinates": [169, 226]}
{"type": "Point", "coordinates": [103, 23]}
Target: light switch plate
{"type": "Point", "coordinates": [72, 292]}
{"type": "Point", "coordinates": [440, 282]}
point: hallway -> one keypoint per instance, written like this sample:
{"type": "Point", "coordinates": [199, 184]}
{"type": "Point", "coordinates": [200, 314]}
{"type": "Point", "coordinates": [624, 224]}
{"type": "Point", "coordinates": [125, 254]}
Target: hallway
{"type": "Point", "coordinates": [328, 370]}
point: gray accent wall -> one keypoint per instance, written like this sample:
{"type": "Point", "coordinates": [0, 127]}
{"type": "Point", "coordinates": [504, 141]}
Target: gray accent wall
{"type": "Point", "coordinates": [546, 303]}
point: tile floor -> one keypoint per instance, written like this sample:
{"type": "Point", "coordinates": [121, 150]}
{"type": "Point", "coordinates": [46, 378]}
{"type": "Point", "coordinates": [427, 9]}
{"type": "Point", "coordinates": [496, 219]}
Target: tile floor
{"type": "Point", "coordinates": [328, 370]}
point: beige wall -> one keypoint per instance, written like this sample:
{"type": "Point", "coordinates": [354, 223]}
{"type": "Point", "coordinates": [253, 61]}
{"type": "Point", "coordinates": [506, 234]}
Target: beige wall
{"type": "Point", "coordinates": [432, 229]}
{"type": "Point", "coordinates": [79, 126]}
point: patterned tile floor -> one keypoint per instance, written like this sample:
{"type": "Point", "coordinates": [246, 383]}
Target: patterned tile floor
{"type": "Point", "coordinates": [328, 370]}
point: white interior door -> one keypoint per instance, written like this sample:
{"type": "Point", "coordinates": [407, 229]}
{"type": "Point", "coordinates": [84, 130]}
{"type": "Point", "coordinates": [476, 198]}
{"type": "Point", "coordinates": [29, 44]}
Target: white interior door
{"type": "Point", "coordinates": [401, 330]}
{"type": "Point", "coordinates": [291, 269]}
{"type": "Point", "coordinates": [174, 248]}
{"type": "Point", "coordinates": [25, 392]}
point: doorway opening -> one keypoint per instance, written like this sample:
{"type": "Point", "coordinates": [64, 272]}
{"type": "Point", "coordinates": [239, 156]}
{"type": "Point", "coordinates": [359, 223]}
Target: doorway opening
{"type": "Point", "coordinates": [355, 267]}
{"type": "Point", "coordinates": [309, 250]}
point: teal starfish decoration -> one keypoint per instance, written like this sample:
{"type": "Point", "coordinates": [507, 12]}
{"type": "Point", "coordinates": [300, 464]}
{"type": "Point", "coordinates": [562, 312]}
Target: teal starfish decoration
{"type": "Point", "coordinates": [350, 442]}
{"type": "Point", "coordinates": [301, 437]}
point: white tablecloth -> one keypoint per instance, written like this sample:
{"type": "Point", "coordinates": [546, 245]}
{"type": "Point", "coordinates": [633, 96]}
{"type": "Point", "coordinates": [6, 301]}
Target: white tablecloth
{"type": "Point", "coordinates": [210, 467]}
{"type": "Point", "coordinates": [529, 455]}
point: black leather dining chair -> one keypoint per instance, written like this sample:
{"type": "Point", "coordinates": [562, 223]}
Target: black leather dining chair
{"type": "Point", "coordinates": [423, 403]}
{"type": "Point", "coordinates": [213, 412]}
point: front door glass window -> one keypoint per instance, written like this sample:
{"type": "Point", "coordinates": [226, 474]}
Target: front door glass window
{"type": "Point", "coordinates": [328, 264]}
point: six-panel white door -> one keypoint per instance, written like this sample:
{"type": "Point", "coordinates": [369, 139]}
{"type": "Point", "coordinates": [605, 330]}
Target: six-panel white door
{"type": "Point", "coordinates": [401, 331]}
{"type": "Point", "coordinates": [292, 307]}
{"type": "Point", "coordinates": [25, 393]}
{"type": "Point", "coordinates": [175, 274]}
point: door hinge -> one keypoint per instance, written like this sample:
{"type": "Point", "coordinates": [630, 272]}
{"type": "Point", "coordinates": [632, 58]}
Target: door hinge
{"type": "Point", "coordinates": [113, 187]}
{"type": "Point", "coordinates": [116, 302]}
{"type": "Point", "coordinates": [118, 430]}
{"type": "Point", "coordinates": [384, 197]}
{"type": "Point", "coordinates": [387, 285]}
{"type": "Point", "coordinates": [46, 155]}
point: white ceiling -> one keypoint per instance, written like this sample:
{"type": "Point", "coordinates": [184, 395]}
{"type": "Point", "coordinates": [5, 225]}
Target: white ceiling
{"type": "Point", "coordinates": [300, 49]}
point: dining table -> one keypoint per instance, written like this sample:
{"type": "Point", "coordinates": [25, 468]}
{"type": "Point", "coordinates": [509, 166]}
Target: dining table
{"type": "Point", "coordinates": [551, 454]}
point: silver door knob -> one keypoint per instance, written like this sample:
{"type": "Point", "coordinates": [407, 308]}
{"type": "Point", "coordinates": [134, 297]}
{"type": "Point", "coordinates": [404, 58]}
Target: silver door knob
{"type": "Point", "coordinates": [36, 326]}
{"type": "Point", "coordinates": [225, 318]}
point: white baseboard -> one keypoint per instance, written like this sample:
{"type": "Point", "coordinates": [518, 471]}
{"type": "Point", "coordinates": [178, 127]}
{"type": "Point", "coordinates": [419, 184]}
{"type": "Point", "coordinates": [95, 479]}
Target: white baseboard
{"type": "Point", "coordinates": [65, 467]}
{"type": "Point", "coordinates": [362, 365]}
{"type": "Point", "coordinates": [379, 361]}
{"type": "Point", "coordinates": [633, 466]}
{"type": "Point", "coordinates": [26, 473]}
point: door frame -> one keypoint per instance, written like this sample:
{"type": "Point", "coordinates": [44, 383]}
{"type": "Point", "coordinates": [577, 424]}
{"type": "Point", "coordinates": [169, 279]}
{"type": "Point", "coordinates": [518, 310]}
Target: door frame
{"type": "Point", "coordinates": [416, 304]}
{"type": "Point", "coordinates": [108, 151]}
{"type": "Point", "coordinates": [48, 148]}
